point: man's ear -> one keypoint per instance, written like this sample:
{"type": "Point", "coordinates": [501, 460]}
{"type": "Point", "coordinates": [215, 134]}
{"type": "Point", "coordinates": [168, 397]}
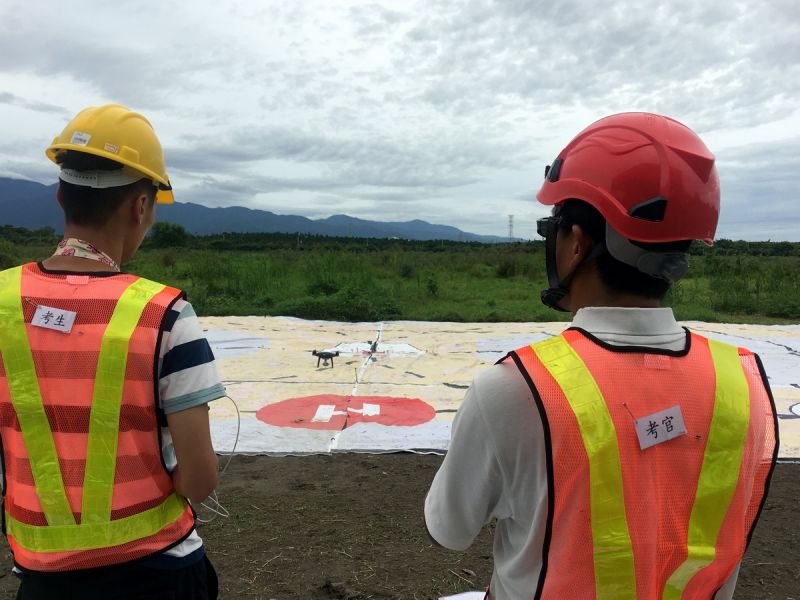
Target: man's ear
{"type": "Point", "coordinates": [139, 208]}
{"type": "Point", "coordinates": [580, 245]}
{"type": "Point", "coordinates": [59, 198]}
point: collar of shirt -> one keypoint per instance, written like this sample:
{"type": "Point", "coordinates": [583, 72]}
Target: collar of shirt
{"type": "Point", "coordinates": [654, 327]}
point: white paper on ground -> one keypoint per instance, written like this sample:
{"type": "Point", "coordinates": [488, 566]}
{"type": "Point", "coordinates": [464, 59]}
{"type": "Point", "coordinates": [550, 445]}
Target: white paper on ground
{"type": "Point", "coordinates": [256, 437]}
{"type": "Point", "coordinates": [496, 348]}
{"type": "Point", "coordinates": [466, 596]}
{"type": "Point", "coordinates": [229, 344]}
{"type": "Point", "coordinates": [374, 437]}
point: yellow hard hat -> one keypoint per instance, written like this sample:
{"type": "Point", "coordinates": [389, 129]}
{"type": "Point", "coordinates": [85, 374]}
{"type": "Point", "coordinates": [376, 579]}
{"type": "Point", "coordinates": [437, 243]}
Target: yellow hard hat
{"type": "Point", "coordinates": [119, 134]}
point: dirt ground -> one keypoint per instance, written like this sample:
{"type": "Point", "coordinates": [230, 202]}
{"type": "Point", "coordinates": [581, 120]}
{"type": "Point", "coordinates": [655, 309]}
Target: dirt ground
{"type": "Point", "coordinates": [350, 527]}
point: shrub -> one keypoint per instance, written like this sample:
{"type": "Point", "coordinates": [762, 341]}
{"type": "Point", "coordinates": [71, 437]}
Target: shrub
{"type": "Point", "coordinates": [448, 316]}
{"type": "Point", "coordinates": [507, 268]}
{"type": "Point", "coordinates": [321, 287]}
{"type": "Point", "coordinates": [168, 259]}
{"type": "Point", "coordinates": [8, 257]}
{"type": "Point", "coordinates": [168, 235]}
{"type": "Point", "coordinates": [432, 286]}
{"type": "Point", "coordinates": [406, 271]}
{"type": "Point", "coordinates": [350, 304]}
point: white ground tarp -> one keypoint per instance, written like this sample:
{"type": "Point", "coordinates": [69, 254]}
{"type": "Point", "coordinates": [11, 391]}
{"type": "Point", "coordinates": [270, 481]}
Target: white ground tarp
{"type": "Point", "coordinates": [402, 393]}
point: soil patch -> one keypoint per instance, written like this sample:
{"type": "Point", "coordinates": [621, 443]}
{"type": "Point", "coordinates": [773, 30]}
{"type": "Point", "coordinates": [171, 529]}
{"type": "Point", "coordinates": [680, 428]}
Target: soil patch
{"type": "Point", "coordinates": [350, 527]}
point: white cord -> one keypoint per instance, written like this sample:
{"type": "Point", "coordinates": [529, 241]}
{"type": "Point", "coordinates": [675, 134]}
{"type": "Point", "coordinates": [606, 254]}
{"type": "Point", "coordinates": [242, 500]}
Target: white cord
{"type": "Point", "coordinates": [218, 509]}
{"type": "Point", "coordinates": [236, 439]}
{"type": "Point", "coordinates": [222, 512]}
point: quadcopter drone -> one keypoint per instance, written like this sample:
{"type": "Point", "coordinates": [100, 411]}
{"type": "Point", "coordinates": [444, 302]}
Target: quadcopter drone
{"type": "Point", "coordinates": [325, 356]}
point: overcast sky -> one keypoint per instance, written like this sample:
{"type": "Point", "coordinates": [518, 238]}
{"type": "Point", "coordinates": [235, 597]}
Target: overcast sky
{"type": "Point", "coordinates": [445, 111]}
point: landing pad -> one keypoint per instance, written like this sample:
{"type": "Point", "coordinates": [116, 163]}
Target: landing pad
{"type": "Point", "coordinates": [401, 393]}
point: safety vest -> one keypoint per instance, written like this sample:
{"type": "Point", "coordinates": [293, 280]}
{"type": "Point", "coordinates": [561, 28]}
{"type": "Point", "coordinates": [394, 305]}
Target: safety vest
{"type": "Point", "coordinates": [667, 522]}
{"type": "Point", "coordinates": [85, 483]}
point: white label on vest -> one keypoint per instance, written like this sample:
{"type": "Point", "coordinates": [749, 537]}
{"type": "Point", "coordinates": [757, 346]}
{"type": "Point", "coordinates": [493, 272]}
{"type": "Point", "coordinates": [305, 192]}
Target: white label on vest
{"type": "Point", "coordinates": [660, 427]}
{"type": "Point", "coordinates": [57, 319]}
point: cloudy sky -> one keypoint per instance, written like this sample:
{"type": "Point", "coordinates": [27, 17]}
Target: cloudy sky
{"type": "Point", "coordinates": [445, 111]}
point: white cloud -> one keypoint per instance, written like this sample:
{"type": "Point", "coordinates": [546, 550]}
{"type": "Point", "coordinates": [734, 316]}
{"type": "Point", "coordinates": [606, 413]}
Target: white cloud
{"type": "Point", "coordinates": [444, 110]}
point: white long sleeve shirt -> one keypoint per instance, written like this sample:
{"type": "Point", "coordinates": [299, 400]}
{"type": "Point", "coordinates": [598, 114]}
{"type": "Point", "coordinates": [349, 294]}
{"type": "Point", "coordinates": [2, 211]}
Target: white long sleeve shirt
{"type": "Point", "coordinates": [495, 467]}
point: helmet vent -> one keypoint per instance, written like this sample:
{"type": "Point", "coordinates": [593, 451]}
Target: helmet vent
{"type": "Point", "coordinates": [653, 209]}
{"type": "Point", "coordinates": [552, 172]}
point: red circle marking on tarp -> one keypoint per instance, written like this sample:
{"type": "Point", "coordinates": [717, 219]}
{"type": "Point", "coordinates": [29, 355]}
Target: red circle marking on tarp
{"type": "Point", "coordinates": [348, 410]}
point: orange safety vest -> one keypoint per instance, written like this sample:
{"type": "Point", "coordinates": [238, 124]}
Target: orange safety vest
{"type": "Point", "coordinates": [668, 522]}
{"type": "Point", "coordinates": [85, 483]}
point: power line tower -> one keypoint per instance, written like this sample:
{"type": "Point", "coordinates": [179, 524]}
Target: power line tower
{"type": "Point", "coordinates": [510, 228]}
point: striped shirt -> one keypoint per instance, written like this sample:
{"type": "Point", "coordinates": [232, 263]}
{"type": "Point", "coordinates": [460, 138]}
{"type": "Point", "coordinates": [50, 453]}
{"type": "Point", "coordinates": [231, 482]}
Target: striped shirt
{"type": "Point", "coordinates": [187, 374]}
{"type": "Point", "coordinates": [187, 377]}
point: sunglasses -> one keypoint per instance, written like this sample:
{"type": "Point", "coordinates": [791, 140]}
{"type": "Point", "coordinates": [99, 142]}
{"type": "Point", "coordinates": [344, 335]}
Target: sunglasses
{"type": "Point", "coordinates": [548, 226]}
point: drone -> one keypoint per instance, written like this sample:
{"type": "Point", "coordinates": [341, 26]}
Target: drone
{"type": "Point", "coordinates": [325, 356]}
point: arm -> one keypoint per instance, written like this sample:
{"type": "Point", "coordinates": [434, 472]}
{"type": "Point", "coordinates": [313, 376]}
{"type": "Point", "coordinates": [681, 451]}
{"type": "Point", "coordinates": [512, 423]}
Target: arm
{"type": "Point", "coordinates": [468, 486]}
{"type": "Point", "coordinates": [196, 475]}
{"type": "Point", "coordinates": [188, 380]}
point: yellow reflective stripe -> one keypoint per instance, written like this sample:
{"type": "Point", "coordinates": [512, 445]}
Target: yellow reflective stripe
{"type": "Point", "coordinates": [90, 536]}
{"type": "Point", "coordinates": [615, 577]}
{"type": "Point", "coordinates": [722, 461]}
{"type": "Point", "coordinates": [101, 450]}
{"type": "Point", "coordinates": [27, 400]}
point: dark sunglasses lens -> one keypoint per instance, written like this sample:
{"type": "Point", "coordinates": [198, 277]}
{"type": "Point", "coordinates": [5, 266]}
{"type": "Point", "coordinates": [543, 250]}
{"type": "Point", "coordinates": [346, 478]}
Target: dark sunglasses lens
{"type": "Point", "coordinates": [541, 227]}
{"type": "Point", "coordinates": [546, 226]}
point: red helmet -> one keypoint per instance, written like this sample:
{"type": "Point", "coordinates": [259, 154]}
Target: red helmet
{"type": "Point", "coordinates": [651, 177]}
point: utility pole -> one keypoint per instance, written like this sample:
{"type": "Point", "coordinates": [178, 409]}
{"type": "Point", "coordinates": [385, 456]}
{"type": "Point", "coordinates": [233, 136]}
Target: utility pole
{"type": "Point", "coordinates": [510, 228]}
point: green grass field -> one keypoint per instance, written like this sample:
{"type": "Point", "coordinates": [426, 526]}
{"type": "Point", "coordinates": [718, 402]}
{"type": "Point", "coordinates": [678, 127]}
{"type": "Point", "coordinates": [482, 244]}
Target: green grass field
{"type": "Point", "coordinates": [365, 280]}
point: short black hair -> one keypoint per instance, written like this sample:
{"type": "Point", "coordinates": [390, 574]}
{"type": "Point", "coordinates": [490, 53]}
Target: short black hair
{"type": "Point", "coordinates": [617, 275]}
{"type": "Point", "coordinates": [93, 207]}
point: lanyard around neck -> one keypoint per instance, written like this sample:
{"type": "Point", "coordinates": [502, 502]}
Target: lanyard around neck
{"type": "Point", "coordinates": [82, 249]}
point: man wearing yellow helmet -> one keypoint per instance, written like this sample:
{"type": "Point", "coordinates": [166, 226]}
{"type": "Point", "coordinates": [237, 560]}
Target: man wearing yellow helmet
{"type": "Point", "coordinates": [105, 379]}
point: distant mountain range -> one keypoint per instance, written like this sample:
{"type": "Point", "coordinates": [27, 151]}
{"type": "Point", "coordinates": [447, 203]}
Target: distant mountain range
{"type": "Point", "coordinates": [33, 205]}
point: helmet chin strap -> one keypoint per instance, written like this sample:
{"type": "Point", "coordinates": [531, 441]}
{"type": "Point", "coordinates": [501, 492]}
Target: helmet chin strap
{"type": "Point", "coordinates": [552, 296]}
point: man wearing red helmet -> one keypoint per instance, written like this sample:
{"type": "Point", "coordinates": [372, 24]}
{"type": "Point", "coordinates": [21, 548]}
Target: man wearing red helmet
{"type": "Point", "coordinates": [627, 457]}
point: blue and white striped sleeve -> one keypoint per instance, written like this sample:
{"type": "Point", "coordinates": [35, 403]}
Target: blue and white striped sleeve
{"type": "Point", "coordinates": [187, 374]}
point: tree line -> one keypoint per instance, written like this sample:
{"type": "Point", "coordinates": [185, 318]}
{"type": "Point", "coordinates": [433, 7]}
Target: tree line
{"type": "Point", "coordinates": [171, 235]}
